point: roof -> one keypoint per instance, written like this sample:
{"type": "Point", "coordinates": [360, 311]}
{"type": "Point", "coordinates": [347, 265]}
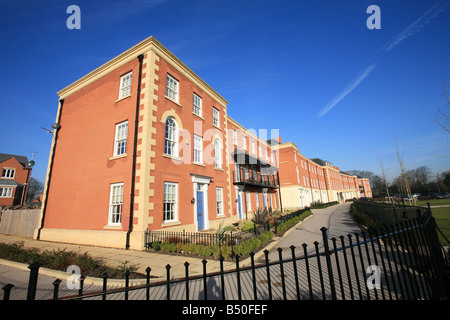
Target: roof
{"type": "Point", "coordinates": [21, 159]}
{"type": "Point", "coordinates": [9, 183]}
{"type": "Point", "coordinates": [319, 161]}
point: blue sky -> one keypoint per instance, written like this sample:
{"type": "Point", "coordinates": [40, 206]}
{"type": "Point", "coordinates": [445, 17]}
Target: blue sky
{"type": "Point", "coordinates": [311, 69]}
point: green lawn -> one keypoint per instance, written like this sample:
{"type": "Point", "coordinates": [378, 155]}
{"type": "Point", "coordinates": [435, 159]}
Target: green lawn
{"type": "Point", "coordinates": [442, 216]}
{"type": "Point", "coordinates": [433, 202]}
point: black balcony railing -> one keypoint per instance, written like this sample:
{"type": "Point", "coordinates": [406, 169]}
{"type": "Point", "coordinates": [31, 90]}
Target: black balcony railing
{"type": "Point", "coordinates": [255, 178]}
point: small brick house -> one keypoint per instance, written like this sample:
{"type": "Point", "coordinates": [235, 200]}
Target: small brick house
{"type": "Point", "coordinates": [15, 175]}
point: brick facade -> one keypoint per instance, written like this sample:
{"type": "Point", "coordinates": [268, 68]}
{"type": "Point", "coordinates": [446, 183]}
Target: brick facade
{"type": "Point", "coordinates": [180, 163]}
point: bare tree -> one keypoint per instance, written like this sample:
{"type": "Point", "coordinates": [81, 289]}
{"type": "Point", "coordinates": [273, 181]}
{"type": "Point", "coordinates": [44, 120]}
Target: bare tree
{"type": "Point", "coordinates": [443, 117]}
{"type": "Point", "coordinates": [403, 172]}
{"type": "Point", "coordinates": [383, 176]}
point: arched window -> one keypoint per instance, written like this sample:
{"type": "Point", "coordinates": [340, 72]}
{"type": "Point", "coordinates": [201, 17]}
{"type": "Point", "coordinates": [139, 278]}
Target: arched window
{"type": "Point", "coordinates": [171, 147]}
{"type": "Point", "coordinates": [217, 154]}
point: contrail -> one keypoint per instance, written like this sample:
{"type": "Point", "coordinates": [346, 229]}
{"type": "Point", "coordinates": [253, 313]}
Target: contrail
{"type": "Point", "coordinates": [360, 78]}
{"type": "Point", "coordinates": [412, 29]}
{"type": "Point", "coordinates": [417, 25]}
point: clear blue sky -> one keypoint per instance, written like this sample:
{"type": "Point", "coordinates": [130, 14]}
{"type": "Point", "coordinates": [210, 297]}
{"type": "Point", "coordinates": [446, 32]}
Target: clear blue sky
{"type": "Point", "coordinates": [311, 69]}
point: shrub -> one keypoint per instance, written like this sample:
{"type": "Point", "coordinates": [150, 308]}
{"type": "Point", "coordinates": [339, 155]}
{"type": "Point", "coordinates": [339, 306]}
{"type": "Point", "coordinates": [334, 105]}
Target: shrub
{"type": "Point", "coordinates": [284, 226]}
{"type": "Point", "coordinates": [156, 245]}
{"type": "Point", "coordinates": [266, 236]}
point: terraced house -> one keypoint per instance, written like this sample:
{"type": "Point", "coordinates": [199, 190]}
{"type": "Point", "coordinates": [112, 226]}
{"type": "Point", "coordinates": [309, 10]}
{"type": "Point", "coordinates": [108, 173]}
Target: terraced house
{"type": "Point", "coordinates": [304, 181]}
{"type": "Point", "coordinates": [142, 142]}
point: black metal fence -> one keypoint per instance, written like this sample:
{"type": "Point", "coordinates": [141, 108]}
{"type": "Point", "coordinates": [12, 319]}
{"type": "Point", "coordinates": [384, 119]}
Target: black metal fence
{"type": "Point", "coordinates": [388, 213]}
{"type": "Point", "coordinates": [204, 238]}
{"type": "Point", "coordinates": [401, 261]}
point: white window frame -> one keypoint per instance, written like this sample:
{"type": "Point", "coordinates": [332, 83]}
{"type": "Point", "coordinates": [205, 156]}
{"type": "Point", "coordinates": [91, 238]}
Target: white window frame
{"type": "Point", "coordinates": [257, 200]}
{"type": "Point", "coordinates": [170, 198]}
{"type": "Point", "coordinates": [6, 192]}
{"type": "Point", "coordinates": [8, 173]}
{"type": "Point", "coordinates": [172, 88]}
{"type": "Point", "coordinates": [219, 201]}
{"type": "Point", "coordinates": [260, 151]}
{"type": "Point", "coordinates": [217, 154]}
{"type": "Point", "coordinates": [252, 146]}
{"type": "Point", "coordinates": [125, 85]}
{"type": "Point", "coordinates": [249, 202]}
{"type": "Point", "coordinates": [115, 204]}
{"type": "Point", "coordinates": [244, 142]}
{"type": "Point", "coordinates": [197, 104]}
{"type": "Point", "coordinates": [171, 138]}
{"type": "Point", "coordinates": [198, 149]}
{"type": "Point", "coordinates": [120, 140]}
{"type": "Point", "coordinates": [234, 137]}
{"type": "Point", "coordinates": [216, 117]}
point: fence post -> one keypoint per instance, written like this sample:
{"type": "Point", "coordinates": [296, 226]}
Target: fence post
{"type": "Point", "coordinates": [283, 284]}
{"type": "Point", "coordinates": [32, 283]}
{"type": "Point", "coordinates": [294, 262]}
{"type": "Point", "coordinates": [105, 285]}
{"type": "Point", "coordinates": [328, 259]}
{"type": "Point", "coordinates": [252, 258]}
{"type": "Point", "coordinates": [222, 279]}
{"type": "Point", "coordinates": [205, 284]}
{"type": "Point", "coordinates": [168, 281]}
{"type": "Point", "coordinates": [238, 278]}
{"type": "Point", "coordinates": [127, 283]}
{"type": "Point", "coordinates": [269, 284]}
{"type": "Point", "coordinates": [7, 291]}
{"type": "Point", "coordinates": [147, 293]}
{"type": "Point", "coordinates": [308, 274]}
{"type": "Point", "coordinates": [56, 288]}
{"type": "Point", "coordinates": [439, 288]}
{"type": "Point", "coordinates": [186, 272]}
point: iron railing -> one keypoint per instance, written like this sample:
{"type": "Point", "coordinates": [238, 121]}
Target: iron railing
{"type": "Point", "coordinates": [402, 261]}
{"type": "Point", "coordinates": [255, 178]}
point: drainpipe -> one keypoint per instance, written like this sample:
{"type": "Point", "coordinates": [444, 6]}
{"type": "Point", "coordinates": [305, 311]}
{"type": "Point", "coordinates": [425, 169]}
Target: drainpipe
{"type": "Point", "coordinates": [278, 177]}
{"type": "Point", "coordinates": [55, 139]}
{"type": "Point", "coordinates": [133, 168]}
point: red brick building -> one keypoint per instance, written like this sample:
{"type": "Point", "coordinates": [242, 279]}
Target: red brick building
{"type": "Point", "coordinates": [306, 181]}
{"type": "Point", "coordinates": [15, 175]}
{"type": "Point", "coordinates": [144, 143]}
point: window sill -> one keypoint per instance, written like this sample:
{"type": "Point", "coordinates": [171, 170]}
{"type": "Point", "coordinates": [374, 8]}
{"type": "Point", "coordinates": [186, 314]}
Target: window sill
{"type": "Point", "coordinates": [218, 169]}
{"type": "Point", "coordinates": [170, 223]}
{"type": "Point", "coordinates": [168, 156]}
{"type": "Point", "coordinates": [112, 227]}
{"type": "Point", "coordinates": [221, 216]}
{"type": "Point", "coordinates": [172, 101]}
{"type": "Point", "coordinates": [217, 127]}
{"type": "Point", "coordinates": [123, 98]}
{"type": "Point", "coordinates": [198, 116]}
{"type": "Point", "coordinates": [118, 157]}
{"type": "Point", "coordinates": [199, 164]}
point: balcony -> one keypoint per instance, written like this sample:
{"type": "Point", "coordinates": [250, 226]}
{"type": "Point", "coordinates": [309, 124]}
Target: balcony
{"type": "Point", "coordinates": [255, 178]}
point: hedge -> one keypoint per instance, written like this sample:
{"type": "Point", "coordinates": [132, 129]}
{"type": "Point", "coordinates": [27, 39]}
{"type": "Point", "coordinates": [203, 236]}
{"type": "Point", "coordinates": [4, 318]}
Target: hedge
{"type": "Point", "coordinates": [284, 226]}
{"type": "Point", "coordinates": [241, 249]}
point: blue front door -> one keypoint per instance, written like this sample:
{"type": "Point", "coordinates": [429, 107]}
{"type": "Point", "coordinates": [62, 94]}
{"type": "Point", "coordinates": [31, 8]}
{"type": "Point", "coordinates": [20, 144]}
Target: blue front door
{"type": "Point", "coordinates": [200, 211]}
{"type": "Point", "coordinates": [240, 213]}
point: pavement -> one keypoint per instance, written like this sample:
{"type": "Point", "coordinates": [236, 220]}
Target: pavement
{"type": "Point", "coordinates": [336, 218]}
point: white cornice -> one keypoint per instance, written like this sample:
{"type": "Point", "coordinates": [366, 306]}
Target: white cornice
{"type": "Point", "coordinates": [142, 47]}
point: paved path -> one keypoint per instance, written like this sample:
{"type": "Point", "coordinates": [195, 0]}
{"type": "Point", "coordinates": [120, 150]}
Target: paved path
{"type": "Point", "coordinates": [336, 219]}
